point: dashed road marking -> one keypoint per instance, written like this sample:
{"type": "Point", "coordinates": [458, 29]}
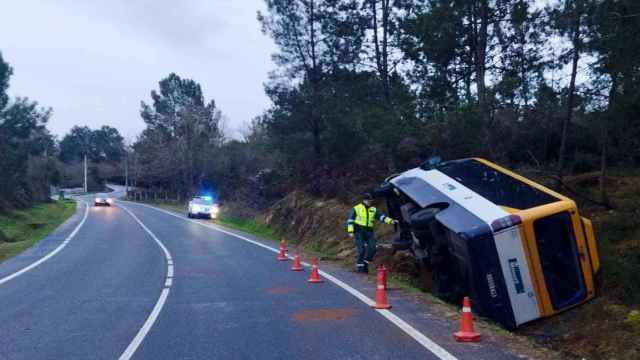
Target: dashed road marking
{"type": "Point", "coordinates": [144, 330]}
{"type": "Point", "coordinates": [53, 252]}
{"type": "Point", "coordinates": [419, 337]}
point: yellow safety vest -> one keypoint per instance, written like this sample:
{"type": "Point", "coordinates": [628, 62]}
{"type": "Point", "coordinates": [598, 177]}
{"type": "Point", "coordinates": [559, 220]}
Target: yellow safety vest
{"type": "Point", "coordinates": [366, 217]}
{"type": "Point", "coordinates": [363, 217]}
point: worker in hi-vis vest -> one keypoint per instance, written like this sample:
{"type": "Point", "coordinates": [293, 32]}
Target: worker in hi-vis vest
{"type": "Point", "coordinates": [360, 224]}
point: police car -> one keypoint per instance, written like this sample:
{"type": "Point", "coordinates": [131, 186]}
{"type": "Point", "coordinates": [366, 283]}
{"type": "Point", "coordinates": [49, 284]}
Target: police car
{"type": "Point", "coordinates": [520, 250]}
{"type": "Point", "coordinates": [203, 207]}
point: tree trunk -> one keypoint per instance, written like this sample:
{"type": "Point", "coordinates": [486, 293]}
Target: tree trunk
{"type": "Point", "coordinates": [604, 139]}
{"type": "Point", "coordinates": [467, 86]}
{"type": "Point", "coordinates": [480, 32]}
{"type": "Point", "coordinates": [523, 68]}
{"type": "Point", "coordinates": [385, 52]}
{"type": "Point", "coordinates": [317, 141]}
{"type": "Point", "coordinates": [382, 47]}
{"type": "Point", "coordinates": [376, 42]}
{"type": "Point", "coordinates": [313, 78]}
{"type": "Point", "coordinates": [481, 55]}
{"type": "Point", "coordinates": [571, 96]}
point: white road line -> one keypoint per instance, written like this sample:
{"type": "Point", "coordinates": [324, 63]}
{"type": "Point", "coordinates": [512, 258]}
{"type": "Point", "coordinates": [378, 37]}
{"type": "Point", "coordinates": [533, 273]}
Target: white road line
{"type": "Point", "coordinates": [422, 339]}
{"type": "Point", "coordinates": [52, 253]}
{"type": "Point", "coordinates": [144, 330]}
{"type": "Point", "coordinates": [135, 343]}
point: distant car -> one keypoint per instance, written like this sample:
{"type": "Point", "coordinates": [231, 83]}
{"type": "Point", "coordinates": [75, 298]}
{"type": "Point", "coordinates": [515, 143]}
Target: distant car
{"type": "Point", "coordinates": [203, 206]}
{"type": "Point", "coordinates": [102, 200]}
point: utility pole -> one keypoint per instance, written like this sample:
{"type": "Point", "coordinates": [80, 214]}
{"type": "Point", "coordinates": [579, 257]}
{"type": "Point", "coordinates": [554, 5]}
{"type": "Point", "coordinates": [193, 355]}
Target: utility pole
{"type": "Point", "coordinates": [86, 188]}
{"type": "Point", "coordinates": [135, 170]}
{"type": "Point", "coordinates": [126, 173]}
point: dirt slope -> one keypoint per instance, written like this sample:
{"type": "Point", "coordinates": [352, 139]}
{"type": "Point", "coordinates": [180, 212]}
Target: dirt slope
{"type": "Point", "coordinates": [320, 225]}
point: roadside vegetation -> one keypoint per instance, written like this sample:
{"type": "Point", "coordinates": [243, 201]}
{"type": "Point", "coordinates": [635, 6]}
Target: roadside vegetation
{"type": "Point", "coordinates": [21, 229]}
{"type": "Point", "coordinates": [34, 162]}
{"type": "Point", "coordinates": [249, 225]}
{"type": "Point", "coordinates": [26, 148]}
{"type": "Point", "coordinates": [29, 166]}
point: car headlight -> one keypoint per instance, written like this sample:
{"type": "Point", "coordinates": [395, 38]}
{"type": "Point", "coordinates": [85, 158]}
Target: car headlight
{"type": "Point", "coordinates": [195, 208]}
{"type": "Point", "coordinates": [214, 209]}
{"type": "Point", "coordinates": [110, 201]}
{"type": "Point", "coordinates": [98, 200]}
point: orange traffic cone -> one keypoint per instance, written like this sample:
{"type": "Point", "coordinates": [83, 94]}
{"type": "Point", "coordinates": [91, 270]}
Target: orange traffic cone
{"type": "Point", "coordinates": [467, 332]}
{"type": "Point", "coordinates": [282, 254]}
{"type": "Point", "coordinates": [297, 266]}
{"type": "Point", "coordinates": [315, 275]}
{"type": "Point", "coordinates": [381, 291]}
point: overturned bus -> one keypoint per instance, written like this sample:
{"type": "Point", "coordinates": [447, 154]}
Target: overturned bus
{"type": "Point", "coordinates": [519, 249]}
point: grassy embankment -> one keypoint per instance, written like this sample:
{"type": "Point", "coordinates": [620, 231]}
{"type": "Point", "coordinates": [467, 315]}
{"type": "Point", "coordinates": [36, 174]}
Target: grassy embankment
{"type": "Point", "coordinates": [21, 229]}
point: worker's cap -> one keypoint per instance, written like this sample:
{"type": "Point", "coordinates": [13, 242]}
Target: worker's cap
{"type": "Point", "coordinates": [367, 196]}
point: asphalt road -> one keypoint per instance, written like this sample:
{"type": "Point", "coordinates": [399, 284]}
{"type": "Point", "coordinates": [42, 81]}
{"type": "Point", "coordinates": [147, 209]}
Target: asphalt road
{"type": "Point", "coordinates": [131, 281]}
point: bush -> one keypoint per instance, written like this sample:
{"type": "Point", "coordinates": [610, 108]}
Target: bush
{"type": "Point", "coordinates": [584, 162]}
{"type": "Point", "coordinates": [620, 272]}
{"type": "Point", "coordinates": [633, 320]}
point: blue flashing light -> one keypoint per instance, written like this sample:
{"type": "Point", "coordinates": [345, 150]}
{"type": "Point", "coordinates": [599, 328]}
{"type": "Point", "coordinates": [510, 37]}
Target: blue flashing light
{"type": "Point", "coordinates": [207, 198]}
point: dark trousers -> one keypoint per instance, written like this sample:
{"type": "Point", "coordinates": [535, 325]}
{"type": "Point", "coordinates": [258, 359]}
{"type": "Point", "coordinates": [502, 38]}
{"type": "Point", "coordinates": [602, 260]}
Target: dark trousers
{"type": "Point", "coordinates": [366, 245]}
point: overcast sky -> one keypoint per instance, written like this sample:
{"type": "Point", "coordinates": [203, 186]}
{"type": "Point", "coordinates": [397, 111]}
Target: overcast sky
{"type": "Point", "coordinates": [94, 61]}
